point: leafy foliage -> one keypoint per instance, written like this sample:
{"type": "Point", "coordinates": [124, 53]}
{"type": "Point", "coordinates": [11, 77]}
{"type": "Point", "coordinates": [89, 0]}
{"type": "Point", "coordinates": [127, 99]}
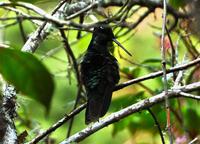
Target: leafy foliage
{"type": "Point", "coordinates": [177, 3]}
{"type": "Point", "coordinates": [31, 78]}
{"type": "Point", "coordinates": [27, 74]}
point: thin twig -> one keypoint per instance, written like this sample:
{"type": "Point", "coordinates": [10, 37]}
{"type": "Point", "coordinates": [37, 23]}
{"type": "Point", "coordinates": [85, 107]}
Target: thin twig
{"type": "Point", "coordinates": [150, 5]}
{"type": "Point", "coordinates": [173, 57]}
{"type": "Point", "coordinates": [8, 25]}
{"type": "Point", "coordinates": [194, 141]}
{"type": "Point", "coordinates": [89, 7]}
{"type": "Point", "coordinates": [75, 105]}
{"type": "Point", "coordinates": [137, 63]}
{"type": "Point", "coordinates": [158, 125]}
{"type": "Point", "coordinates": [163, 55]}
{"type": "Point", "coordinates": [41, 33]}
{"type": "Point", "coordinates": [71, 54]}
{"type": "Point", "coordinates": [190, 95]}
{"type": "Point", "coordinates": [133, 25]}
{"type": "Point", "coordinates": [156, 74]}
{"type": "Point", "coordinates": [21, 13]}
{"type": "Point", "coordinates": [21, 28]}
{"type": "Point", "coordinates": [57, 124]}
{"type": "Point", "coordinates": [188, 46]}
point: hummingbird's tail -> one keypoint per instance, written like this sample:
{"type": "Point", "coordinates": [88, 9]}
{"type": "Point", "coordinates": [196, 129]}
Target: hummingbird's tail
{"type": "Point", "coordinates": [98, 103]}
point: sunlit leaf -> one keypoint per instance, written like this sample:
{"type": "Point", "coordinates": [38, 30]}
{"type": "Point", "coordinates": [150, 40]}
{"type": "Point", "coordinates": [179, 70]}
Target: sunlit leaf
{"type": "Point", "coordinates": [177, 3]}
{"type": "Point", "coordinates": [27, 74]}
{"type": "Point", "coordinates": [134, 72]}
{"type": "Point", "coordinates": [153, 60]}
{"type": "Point", "coordinates": [28, 1]}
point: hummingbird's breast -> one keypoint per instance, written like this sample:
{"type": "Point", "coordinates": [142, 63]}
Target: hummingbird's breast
{"type": "Point", "coordinates": [99, 68]}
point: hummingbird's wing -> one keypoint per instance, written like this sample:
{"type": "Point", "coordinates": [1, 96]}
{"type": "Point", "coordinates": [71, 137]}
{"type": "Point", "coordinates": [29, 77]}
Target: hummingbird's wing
{"type": "Point", "coordinates": [99, 75]}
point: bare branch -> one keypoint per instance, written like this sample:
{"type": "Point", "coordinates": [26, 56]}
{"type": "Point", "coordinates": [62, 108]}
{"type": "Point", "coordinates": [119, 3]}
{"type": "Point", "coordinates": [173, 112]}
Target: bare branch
{"type": "Point", "coordinates": [43, 31]}
{"type": "Point", "coordinates": [63, 16]}
{"type": "Point", "coordinates": [89, 7]}
{"type": "Point", "coordinates": [141, 105]}
{"type": "Point", "coordinates": [120, 86]}
{"type": "Point", "coordinates": [189, 95]}
{"type": "Point", "coordinates": [163, 55]}
{"type": "Point", "coordinates": [156, 74]}
{"type": "Point", "coordinates": [58, 124]}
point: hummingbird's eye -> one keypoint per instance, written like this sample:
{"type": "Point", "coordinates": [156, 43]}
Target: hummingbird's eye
{"type": "Point", "coordinates": [101, 27]}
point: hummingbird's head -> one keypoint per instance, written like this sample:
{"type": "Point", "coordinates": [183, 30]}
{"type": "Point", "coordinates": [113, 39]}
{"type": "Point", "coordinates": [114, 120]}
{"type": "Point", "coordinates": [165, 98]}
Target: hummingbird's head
{"type": "Point", "coordinates": [103, 33]}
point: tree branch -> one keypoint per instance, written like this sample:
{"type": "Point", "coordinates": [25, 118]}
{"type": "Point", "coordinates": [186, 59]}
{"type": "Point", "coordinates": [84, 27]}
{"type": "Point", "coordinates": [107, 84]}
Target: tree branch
{"type": "Point", "coordinates": [156, 74]}
{"type": "Point", "coordinates": [58, 124]}
{"type": "Point", "coordinates": [120, 86]}
{"type": "Point", "coordinates": [7, 114]}
{"type": "Point", "coordinates": [80, 7]}
{"type": "Point", "coordinates": [163, 55]}
{"type": "Point", "coordinates": [143, 104]}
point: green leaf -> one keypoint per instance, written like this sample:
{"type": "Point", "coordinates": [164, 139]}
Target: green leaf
{"type": "Point", "coordinates": [153, 64]}
{"type": "Point", "coordinates": [27, 74]}
{"type": "Point", "coordinates": [134, 72]}
{"type": "Point", "coordinates": [177, 3]}
{"type": "Point", "coordinates": [27, 1]}
{"type": "Point", "coordinates": [155, 61]}
{"type": "Point", "coordinates": [152, 60]}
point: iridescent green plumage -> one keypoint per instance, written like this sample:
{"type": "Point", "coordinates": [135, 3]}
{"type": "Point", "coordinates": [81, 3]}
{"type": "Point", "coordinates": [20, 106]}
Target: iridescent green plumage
{"type": "Point", "coordinates": [100, 73]}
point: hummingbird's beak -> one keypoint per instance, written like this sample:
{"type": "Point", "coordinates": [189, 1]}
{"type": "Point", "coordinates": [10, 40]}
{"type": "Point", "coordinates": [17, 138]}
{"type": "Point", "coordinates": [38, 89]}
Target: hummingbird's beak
{"type": "Point", "coordinates": [121, 46]}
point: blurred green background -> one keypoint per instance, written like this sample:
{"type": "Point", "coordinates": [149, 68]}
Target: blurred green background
{"type": "Point", "coordinates": [138, 128]}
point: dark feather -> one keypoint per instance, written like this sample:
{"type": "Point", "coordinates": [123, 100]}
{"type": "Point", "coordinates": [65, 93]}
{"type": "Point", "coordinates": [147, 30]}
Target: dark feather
{"type": "Point", "coordinates": [99, 71]}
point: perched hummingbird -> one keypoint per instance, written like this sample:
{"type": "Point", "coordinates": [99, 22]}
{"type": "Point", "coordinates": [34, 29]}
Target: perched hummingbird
{"type": "Point", "coordinates": [99, 73]}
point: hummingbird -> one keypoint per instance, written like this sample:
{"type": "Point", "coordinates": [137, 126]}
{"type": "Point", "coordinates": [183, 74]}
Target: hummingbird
{"type": "Point", "coordinates": [99, 72]}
